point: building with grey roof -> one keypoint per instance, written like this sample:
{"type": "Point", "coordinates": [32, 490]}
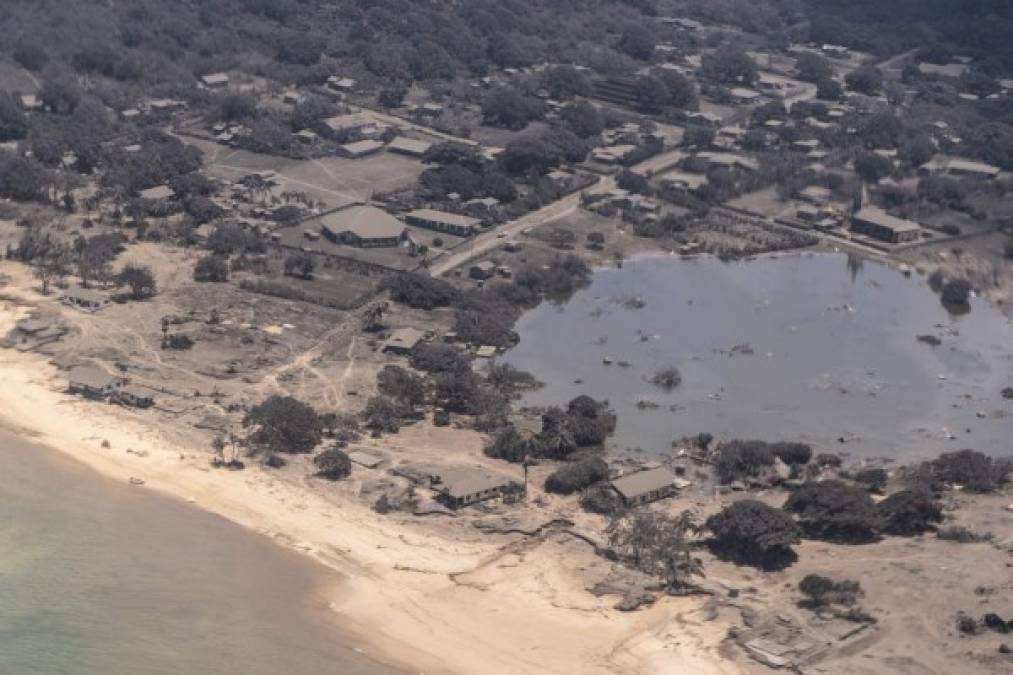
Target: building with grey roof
{"type": "Point", "coordinates": [409, 146]}
{"type": "Point", "coordinates": [402, 341]}
{"type": "Point", "coordinates": [93, 382]}
{"type": "Point", "coordinates": [461, 486]}
{"type": "Point", "coordinates": [442, 221]}
{"type": "Point", "coordinates": [643, 487]}
{"type": "Point", "coordinates": [879, 224]}
{"type": "Point", "coordinates": [364, 227]}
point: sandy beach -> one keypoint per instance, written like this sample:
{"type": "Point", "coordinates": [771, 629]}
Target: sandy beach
{"type": "Point", "coordinates": [435, 606]}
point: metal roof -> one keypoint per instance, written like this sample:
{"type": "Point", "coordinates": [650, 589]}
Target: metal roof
{"type": "Point", "coordinates": [642, 482]}
{"type": "Point", "coordinates": [460, 482]}
{"type": "Point", "coordinates": [444, 217]}
{"type": "Point", "coordinates": [365, 222]}
{"type": "Point", "coordinates": [91, 377]}
{"type": "Point", "coordinates": [876, 216]}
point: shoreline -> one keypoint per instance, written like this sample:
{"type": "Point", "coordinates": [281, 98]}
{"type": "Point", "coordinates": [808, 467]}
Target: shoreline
{"type": "Point", "coordinates": [397, 587]}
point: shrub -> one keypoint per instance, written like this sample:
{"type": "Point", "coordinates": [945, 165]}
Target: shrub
{"type": "Point", "coordinates": [577, 475]}
{"type": "Point", "coordinates": [974, 470]}
{"type": "Point", "coordinates": [601, 499]}
{"type": "Point", "coordinates": [909, 512]}
{"type": "Point", "coordinates": [667, 378]}
{"type": "Point", "coordinates": [792, 453]}
{"type": "Point", "coordinates": [752, 532]}
{"type": "Point", "coordinates": [963, 535]}
{"type": "Point", "coordinates": [826, 459]}
{"type": "Point", "coordinates": [873, 479]}
{"type": "Point", "coordinates": [955, 292]}
{"type": "Point", "coordinates": [211, 268]}
{"type": "Point", "coordinates": [333, 464]}
{"type": "Point", "coordinates": [421, 292]}
{"type": "Point", "coordinates": [439, 358]}
{"type": "Point", "coordinates": [833, 511]}
{"type": "Point", "coordinates": [507, 444]}
{"type": "Point", "coordinates": [739, 459]}
{"type": "Point", "coordinates": [821, 591]}
{"type": "Point", "coordinates": [283, 424]}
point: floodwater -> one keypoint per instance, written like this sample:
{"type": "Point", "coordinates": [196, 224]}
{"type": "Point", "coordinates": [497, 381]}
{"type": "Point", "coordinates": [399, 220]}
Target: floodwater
{"type": "Point", "coordinates": [811, 347]}
{"type": "Point", "coordinates": [99, 578]}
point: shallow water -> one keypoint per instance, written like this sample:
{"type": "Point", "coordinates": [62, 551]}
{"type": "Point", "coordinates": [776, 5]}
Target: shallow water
{"type": "Point", "coordinates": [833, 356]}
{"type": "Point", "coordinates": [102, 578]}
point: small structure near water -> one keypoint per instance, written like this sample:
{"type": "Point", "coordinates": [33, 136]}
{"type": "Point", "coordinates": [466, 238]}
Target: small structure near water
{"type": "Point", "coordinates": [643, 487]}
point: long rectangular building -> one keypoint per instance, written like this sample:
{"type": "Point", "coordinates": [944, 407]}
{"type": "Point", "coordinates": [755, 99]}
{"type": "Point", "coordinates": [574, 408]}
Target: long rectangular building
{"type": "Point", "coordinates": [879, 224]}
{"type": "Point", "coordinates": [442, 221]}
{"type": "Point", "coordinates": [364, 227]}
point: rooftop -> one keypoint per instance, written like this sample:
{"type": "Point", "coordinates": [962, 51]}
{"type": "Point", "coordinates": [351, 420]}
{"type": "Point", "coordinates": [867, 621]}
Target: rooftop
{"type": "Point", "coordinates": [90, 376]}
{"type": "Point", "coordinates": [366, 222]}
{"type": "Point", "coordinates": [409, 145]}
{"type": "Point", "coordinates": [877, 216]}
{"type": "Point", "coordinates": [444, 217]}
{"type": "Point", "coordinates": [458, 482]}
{"type": "Point", "coordinates": [642, 482]}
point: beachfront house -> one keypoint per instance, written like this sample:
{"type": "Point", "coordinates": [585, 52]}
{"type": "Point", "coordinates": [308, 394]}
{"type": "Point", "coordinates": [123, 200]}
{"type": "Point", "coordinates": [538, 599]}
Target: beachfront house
{"type": "Point", "coordinates": [458, 487]}
{"type": "Point", "coordinates": [879, 224]}
{"type": "Point", "coordinates": [643, 487]}
{"type": "Point", "coordinates": [92, 382]}
{"type": "Point", "coordinates": [134, 396]}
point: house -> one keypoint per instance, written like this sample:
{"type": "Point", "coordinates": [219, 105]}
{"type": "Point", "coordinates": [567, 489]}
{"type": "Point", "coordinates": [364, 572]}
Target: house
{"type": "Point", "coordinates": [408, 146]}
{"type": "Point", "coordinates": [681, 181]}
{"type": "Point", "coordinates": [128, 114]}
{"type": "Point", "coordinates": [482, 206]}
{"type": "Point", "coordinates": [84, 299]}
{"type": "Point", "coordinates": [164, 104]}
{"type": "Point", "coordinates": [364, 227]}
{"type": "Point", "coordinates": [744, 95]}
{"type": "Point", "coordinates": [461, 486]}
{"type": "Point", "coordinates": [343, 84]}
{"type": "Point", "coordinates": [483, 270]}
{"type": "Point", "coordinates": [643, 487]}
{"type": "Point", "coordinates": [486, 351]}
{"type": "Point", "coordinates": [727, 160]}
{"type": "Point", "coordinates": [613, 154]}
{"type": "Point", "coordinates": [951, 70]}
{"type": "Point", "coordinates": [215, 80]}
{"type": "Point", "coordinates": [430, 110]}
{"type": "Point", "coordinates": [360, 148]}
{"type": "Point", "coordinates": [354, 125]}
{"type": "Point", "coordinates": [93, 382]}
{"type": "Point", "coordinates": [133, 396]}
{"type": "Point", "coordinates": [879, 224]}
{"type": "Point", "coordinates": [402, 341]}
{"type": "Point", "coordinates": [441, 221]}
{"type": "Point", "coordinates": [816, 194]}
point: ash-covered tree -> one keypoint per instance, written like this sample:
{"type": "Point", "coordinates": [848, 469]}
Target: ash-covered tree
{"type": "Point", "coordinates": [872, 167]}
{"type": "Point", "coordinates": [812, 67]}
{"type": "Point", "coordinates": [657, 544]}
{"type": "Point", "coordinates": [140, 280]}
{"type": "Point", "coordinates": [577, 475]}
{"type": "Point", "coordinates": [509, 108]}
{"type": "Point", "coordinates": [955, 293]}
{"type": "Point", "coordinates": [53, 265]}
{"type": "Point", "coordinates": [508, 444]}
{"type": "Point", "coordinates": [282, 424]}
{"type": "Point", "coordinates": [13, 123]}
{"type": "Point", "coordinates": [402, 385]}
{"type": "Point", "coordinates": [742, 459]}
{"type": "Point", "coordinates": [831, 510]}
{"type": "Point", "coordinates": [637, 41]}
{"type": "Point", "coordinates": [383, 414]}
{"type": "Point", "coordinates": [333, 464]}
{"type": "Point", "coordinates": [300, 265]}
{"type": "Point", "coordinates": [821, 591]}
{"type": "Point", "coordinates": [865, 80]}
{"type": "Point", "coordinates": [730, 65]}
{"type": "Point", "coordinates": [564, 82]}
{"type": "Point", "coordinates": [751, 532]}
{"type": "Point", "coordinates": [829, 89]}
{"type": "Point", "coordinates": [909, 512]}
{"type": "Point", "coordinates": [583, 118]}
{"type": "Point", "coordinates": [211, 268]}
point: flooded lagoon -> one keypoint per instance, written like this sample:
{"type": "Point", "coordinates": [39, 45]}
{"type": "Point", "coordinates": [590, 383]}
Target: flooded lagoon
{"type": "Point", "coordinates": [809, 347]}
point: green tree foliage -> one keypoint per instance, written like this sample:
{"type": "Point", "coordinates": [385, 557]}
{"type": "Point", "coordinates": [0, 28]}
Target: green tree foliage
{"type": "Point", "coordinates": [749, 531]}
{"type": "Point", "coordinates": [834, 511]}
{"type": "Point", "coordinates": [955, 292]}
{"type": "Point", "coordinates": [681, 90]}
{"type": "Point", "coordinates": [975, 471]}
{"type": "Point", "coordinates": [742, 459]}
{"type": "Point", "coordinates": [282, 424]}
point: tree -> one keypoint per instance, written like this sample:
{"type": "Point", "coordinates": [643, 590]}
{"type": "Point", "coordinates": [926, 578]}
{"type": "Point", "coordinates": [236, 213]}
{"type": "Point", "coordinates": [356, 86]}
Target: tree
{"type": "Point", "coordinates": [955, 292]}
{"type": "Point", "coordinates": [829, 89]}
{"type": "Point", "coordinates": [656, 544]}
{"type": "Point", "coordinates": [333, 464]}
{"type": "Point", "coordinates": [211, 268]}
{"type": "Point", "coordinates": [577, 475]}
{"type": "Point", "coordinates": [53, 265]}
{"type": "Point", "coordinates": [865, 80]}
{"type": "Point", "coordinates": [833, 511]}
{"type": "Point", "coordinates": [31, 56]}
{"type": "Point", "coordinates": [564, 82]}
{"type": "Point", "coordinates": [507, 107]}
{"type": "Point", "coordinates": [383, 414]}
{"type": "Point", "coordinates": [975, 471]}
{"type": "Point", "coordinates": [13, 123]}
{"type": "Point", "coordinates": [812, 67]}
{"type": "Point", "coordinates": [681, 90]}
{"type": "Point", "coordinates": [94, 256]}
{"type": "Point", "coordinates": [652, 94]}
{"type": "Point", "coordinates": [421, 291]}
{"type": "Point", "coordinates": [729, 65]}
{"type": "Point", "coordinates": [792, 453]}
{"type": "Point", "coordinates": [637, 41]}
{"type": "Point", "coordinates": [667, 378]}
{"type": "Point", "coordinates": [583, 118]}
{"type": "Point", "coordinates": [872, 167]}
{"type": "Point", "coordinates": [300, 265]}
{"type": "Point", "coordinates": [751, 532]}
{"type": "Point", "coordinates": [402, 385]}
{"type": "Point", "coordinates": [392, 97]}
{"type": "Point", "coordinates": [873, 479]}
{"type": "Point", "coordinates": [282, 424]}
{"type": "Point", "coordinates": [821, 591]}
{"type": "Point", "coordinates": [909, 512]}
{"type": "Point", "coordinates": [595, 240]}
{"type": "Point", "coordinates": [507, 444]}
{"type": "Point", "coordinates": [438, 357]}
{"type": "Point", "coordinates": [741, 459]}
{"type": "Point", "coordinates": [140, 280]}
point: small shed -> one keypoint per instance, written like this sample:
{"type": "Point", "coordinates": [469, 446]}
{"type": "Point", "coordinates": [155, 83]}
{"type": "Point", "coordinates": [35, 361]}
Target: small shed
{"type": "Point", "coordinates": [483, 270]}
{"type": "Point", "coordinates": [134, 396]}
{"type": "Point", "coordinates": [366, 459]}
{"type": "Point", "coordinates": [85, 299]}
{"type": "Point", "coordinates": [402, 341]}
